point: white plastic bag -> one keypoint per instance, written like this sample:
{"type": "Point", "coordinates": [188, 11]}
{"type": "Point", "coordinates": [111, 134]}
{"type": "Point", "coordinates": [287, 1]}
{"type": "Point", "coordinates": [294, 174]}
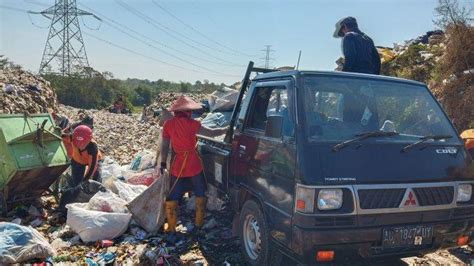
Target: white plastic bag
{"type": "Point", "coordinates": [223, 100]}
{"type": "Point", "coordinates": [143, 160]}
{"type": "Point", "coordinates": [107, 202]}
{"type": "Point", "coordinates": [20, 243]}
{"type": "Point", "coordinates": [148, 208]}
{"type": "Point", "coordinates": [128, 191]}
{"type": "Point", "coordinates": [95, 225]}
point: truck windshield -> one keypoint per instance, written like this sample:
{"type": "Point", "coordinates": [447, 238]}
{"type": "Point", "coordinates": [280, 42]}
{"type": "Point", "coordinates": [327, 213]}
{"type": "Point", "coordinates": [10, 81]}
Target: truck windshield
{"type": "Point", "coordinates": [338, 108]}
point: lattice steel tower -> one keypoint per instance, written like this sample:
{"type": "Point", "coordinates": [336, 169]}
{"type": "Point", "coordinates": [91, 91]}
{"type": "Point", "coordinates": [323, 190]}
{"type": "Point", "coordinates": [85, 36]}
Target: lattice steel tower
{"type": "Point", "coordinates": [64, 52]}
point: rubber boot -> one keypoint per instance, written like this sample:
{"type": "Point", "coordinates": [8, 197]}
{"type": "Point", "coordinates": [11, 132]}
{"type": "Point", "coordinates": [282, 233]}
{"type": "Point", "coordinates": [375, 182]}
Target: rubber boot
{"type": "Point", "coordinates": [200, 211]}
{"type": "Point", "coordinates": [171, 216]}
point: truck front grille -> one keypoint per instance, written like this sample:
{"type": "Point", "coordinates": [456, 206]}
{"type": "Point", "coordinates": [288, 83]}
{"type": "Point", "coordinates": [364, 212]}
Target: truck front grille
{"type": "Point", "coordinates": [380, 198]}
{"type": "Point", "coordinates": [430, 196]}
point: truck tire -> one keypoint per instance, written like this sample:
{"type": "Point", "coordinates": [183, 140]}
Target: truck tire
{"type": "Point", "coordinates": [253, 233]}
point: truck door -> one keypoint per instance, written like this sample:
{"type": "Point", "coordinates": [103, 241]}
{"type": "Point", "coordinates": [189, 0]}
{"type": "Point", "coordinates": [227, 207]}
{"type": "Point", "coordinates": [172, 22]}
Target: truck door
{"type": "Point", "coordinates": [268, 162]}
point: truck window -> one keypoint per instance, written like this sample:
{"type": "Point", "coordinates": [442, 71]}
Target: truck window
{"type": "Point", "coordinates": [339, 108]}
{"type": "Point", "coordinates": [270, 101]}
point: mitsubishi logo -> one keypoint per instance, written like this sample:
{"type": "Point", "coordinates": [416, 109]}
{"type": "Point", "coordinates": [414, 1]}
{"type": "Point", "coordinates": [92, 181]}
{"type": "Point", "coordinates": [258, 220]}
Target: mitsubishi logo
{"type": "Point", "coordinates": [409, 200]}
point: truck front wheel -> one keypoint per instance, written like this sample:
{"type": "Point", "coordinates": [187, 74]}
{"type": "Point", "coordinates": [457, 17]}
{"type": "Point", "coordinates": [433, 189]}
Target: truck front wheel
{"type": "Point", "coordinates": [253, 232]}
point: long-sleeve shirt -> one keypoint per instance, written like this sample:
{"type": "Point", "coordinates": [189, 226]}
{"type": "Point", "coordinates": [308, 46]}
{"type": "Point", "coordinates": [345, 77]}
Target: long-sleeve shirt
{"type": "Point", "coordinates": [360, 54]}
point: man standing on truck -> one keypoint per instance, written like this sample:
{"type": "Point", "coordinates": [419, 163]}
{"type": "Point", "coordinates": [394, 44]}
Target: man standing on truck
{"type": "Point", "coordinates": [360, 54]}
{"type": "Point", "coordinates": [186, 168]}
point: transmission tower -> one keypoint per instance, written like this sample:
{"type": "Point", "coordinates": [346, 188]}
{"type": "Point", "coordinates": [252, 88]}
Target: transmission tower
{"type": "Point", "coordinates": [64, 52]}
{"type": "Point", "coordinates": [268, 50]}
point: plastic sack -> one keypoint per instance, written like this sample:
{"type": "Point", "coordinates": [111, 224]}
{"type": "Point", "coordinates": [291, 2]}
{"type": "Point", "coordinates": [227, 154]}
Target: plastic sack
{"type": "Point", "coordinates": [128, 191]}
{"type": "Point", "coordinates": [20, 243]}
{"type": "Point", "coordinates": [213, 120]}
{"type": "Point", "coordinates": [143, 160]}
{"type": "Point", "coordinates": [148, 208]}
{"type": "Point", "coordinates": [92, 225]}
{"type": "Point", "coordinates": [145, 177]}
{"type": "Point", "coordinates": [107, 202]}
{"type": "Point", "coordinates": [223, 100]}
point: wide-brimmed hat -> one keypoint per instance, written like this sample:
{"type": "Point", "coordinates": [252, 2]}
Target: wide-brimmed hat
{"type": "Point", "coordinates": [351, 21]}
{"type": "Point", "coordinates": [184, 103]}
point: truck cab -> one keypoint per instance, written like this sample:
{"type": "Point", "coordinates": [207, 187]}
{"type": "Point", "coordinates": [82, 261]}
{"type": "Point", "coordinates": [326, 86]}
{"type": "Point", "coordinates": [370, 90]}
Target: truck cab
{"type": "Point", "coordinates": [326, 166]}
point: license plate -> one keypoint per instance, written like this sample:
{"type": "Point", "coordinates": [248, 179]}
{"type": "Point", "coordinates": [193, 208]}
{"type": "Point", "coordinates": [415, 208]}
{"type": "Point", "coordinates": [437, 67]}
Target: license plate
{"type": "Point", "coordinates": [407, 236]}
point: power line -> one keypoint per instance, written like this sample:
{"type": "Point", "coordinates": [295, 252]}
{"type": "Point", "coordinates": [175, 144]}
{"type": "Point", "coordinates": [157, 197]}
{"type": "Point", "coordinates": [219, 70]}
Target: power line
{"type": "Point", "coordinates": [161, 50]}
{"type": "Point", "coordinates": [198, 32]}
{"type": "Point", "coordinates": [151, 58]}
{"type": "Point", "coordinates": [168, 31]}
{"type": "Point", "coordinates": [13, 8]}
{"type": "Point", "coordinates": [121, 28]}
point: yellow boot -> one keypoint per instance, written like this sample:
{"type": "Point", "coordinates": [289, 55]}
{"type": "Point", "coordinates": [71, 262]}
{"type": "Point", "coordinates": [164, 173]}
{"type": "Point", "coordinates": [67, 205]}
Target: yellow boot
{"type": "Point", "coordinates": [200, 211]}
{"type": "Point", "coordinates": [171, 216]}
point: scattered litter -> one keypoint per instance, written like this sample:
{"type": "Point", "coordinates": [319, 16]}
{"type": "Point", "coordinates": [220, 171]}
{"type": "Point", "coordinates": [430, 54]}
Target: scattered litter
{"type": "Point", "coordinates": [210, 224]}
{"type": "Point", "coordinates": [36, 222]}
{"type": "Point", "coordinates": [106, 243]}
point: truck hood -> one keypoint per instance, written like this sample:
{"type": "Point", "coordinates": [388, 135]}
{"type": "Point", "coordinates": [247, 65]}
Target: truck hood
{"type": "Point", "coordinates": [383, 163]}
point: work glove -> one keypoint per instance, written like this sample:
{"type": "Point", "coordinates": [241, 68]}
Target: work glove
{"type": "Point", "coordinates": [162, 167]}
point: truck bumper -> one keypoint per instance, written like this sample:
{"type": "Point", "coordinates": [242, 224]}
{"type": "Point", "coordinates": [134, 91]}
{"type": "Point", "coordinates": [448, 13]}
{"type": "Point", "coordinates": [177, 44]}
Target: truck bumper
{"type": "Point", "coordinates": [367, 242]}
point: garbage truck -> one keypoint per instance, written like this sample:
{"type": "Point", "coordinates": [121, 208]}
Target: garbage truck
{"type": "Point", "coordinates": [329, 166]}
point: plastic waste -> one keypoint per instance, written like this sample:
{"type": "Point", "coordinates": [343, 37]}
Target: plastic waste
{"type": "Point", "coordinates": [217, 119]}
{"type": "Point", "coordinates": [145, 177]}
{"type": "Point", "coordinates": [20, 243]}
{"type": "Point", "coordinates": [223, 100]}
{"type": "Point", "coordinates": [128, 192]}
{"type": "Point", "coordinates": [107, 202]}
{"type": "Point", "coordinates": [148, 207]}
{"type": "Point", "coordinates": [96, 225]}
{"type": "Point", "coordinates": [143, 160]}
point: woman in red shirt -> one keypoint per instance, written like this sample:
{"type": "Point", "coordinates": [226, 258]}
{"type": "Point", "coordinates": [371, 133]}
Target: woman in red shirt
{"type": "Point", "coordinates": [186, 168]}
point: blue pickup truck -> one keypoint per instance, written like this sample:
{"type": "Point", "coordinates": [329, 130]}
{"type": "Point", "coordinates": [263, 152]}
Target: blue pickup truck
{"type": "Point", "coordinates": [328, 166]}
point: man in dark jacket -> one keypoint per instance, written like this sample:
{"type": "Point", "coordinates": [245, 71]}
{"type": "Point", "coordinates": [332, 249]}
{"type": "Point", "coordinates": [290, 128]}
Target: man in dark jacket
{"type": "Point", "coordinates": [360, 54]}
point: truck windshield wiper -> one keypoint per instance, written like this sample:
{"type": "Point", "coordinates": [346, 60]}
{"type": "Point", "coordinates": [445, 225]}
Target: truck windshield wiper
{"type": "Point", "coordinates": [362, 136]}
{"type": "Point", "coordinates": [425, 139]}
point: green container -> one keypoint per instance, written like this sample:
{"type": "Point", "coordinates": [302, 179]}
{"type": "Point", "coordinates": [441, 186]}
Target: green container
{"type": "Point", "coordinates": [32, 155]}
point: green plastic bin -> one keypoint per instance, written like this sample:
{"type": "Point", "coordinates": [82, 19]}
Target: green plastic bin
{"type": "Point", "coordinates": [32, 156]}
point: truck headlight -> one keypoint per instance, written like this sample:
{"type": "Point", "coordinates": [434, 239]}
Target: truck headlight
{"type": "Point", "coordinates": [330, 199]}
{"type": "Point", "coordinates": [305, 199]}
{"type": "Point", "coordinates": [464, 192]}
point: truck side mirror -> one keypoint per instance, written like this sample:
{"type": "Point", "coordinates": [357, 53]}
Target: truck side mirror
{"type": "Point", "coordinates": [274, 126]}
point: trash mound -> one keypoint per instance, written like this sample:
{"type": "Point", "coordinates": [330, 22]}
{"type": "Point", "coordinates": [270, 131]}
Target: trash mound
{"type": "Point", "coordinates": [120, 226]}
{"type": "Point", "coordinates": [444, 61]}
{"type": "Point", "coordinates": [165, 99]}
{"type": "Point", "coordinates": [119, 136]}
{"type": "Point", "coordinates": [23, 92]}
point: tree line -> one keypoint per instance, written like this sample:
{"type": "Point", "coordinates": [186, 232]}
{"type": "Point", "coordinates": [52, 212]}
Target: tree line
{"type": "Point", "coordinates": [97, 90]}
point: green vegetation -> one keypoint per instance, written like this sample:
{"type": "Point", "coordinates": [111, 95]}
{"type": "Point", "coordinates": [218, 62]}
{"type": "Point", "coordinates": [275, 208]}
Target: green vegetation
{"type": "Point", "coordinates": [99, 90]}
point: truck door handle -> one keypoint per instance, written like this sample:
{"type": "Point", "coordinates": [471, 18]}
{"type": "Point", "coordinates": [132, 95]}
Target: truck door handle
{"type": "Point", "coordinates": [242, 150]}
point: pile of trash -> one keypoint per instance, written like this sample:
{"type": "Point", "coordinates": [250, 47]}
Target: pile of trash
{"type": "Point", "coordinates": [165, 99]}
{"type": "Point", "coordinates": [23, 92]}
{"type": "Point", "coordinates": [122, 224]}
{"type": "Point", "coordinates": [444, 61]}
{"type": "Point", "coordinates": [119, 136]}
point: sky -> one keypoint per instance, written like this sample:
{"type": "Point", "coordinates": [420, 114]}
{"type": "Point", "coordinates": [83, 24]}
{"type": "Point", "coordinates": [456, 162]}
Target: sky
{"type": "Point", "coordinates": [189, 40]}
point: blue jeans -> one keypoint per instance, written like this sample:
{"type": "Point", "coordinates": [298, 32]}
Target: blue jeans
{"type": "Point", "coordinates": [196, 184]}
